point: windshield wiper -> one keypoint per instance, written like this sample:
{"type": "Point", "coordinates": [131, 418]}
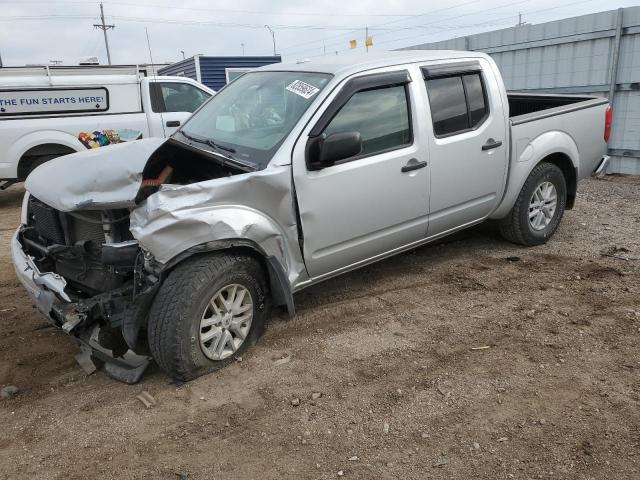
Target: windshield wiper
{"type": "Point", "coordinates": [213, 144]}
{"type": "Point", "coordinates": [193, 139]}
{"type": "Point", "coordinates": [209, 142]}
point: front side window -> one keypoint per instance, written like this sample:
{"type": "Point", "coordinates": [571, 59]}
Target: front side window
{"type": "Point", "coordinates": [252, 116]}
{"type": "Point", "coordinates": [177, 97]}
{"type": "Point", "coordinates": [380, 115]}
{"type": "Point", "coordinates": [458, 103]}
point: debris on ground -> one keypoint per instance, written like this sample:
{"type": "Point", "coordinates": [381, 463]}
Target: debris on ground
{"type": "Point", "coordinates": [282, 361]}
{"type": "Point", "coordinates": [442, 391]}
{"type": "Point", "coordinates": [295, 402]}
{"type": "Point", "coordinates": [85, 361]}
{"type": "Point", "coordinates": [9, 391]}
{"type": "Point", "coordinates": [619, 253]}
{"type": "Point", "coordinates": [441, 462]}
{"type": "Point", "coordinates": [147, 399]}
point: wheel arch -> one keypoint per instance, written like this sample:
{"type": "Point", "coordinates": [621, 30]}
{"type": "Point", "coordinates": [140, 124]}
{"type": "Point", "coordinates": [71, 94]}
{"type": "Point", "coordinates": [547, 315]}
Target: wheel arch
{"type": "Point", "coordinates": [554, 147]}
{"type": "Point", "coordinates": [280, 289]}
{"type": "Point", "coordinates": [569, 171]}
{"type": "Point", "coordinates": [29, 147]}
{"type": "Point", "coordinates": [28, 158]}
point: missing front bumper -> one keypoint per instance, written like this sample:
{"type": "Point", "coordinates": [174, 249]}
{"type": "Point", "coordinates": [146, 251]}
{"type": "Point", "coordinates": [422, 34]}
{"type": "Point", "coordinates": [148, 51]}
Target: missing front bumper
{"type": "Point", "coordinates": [47, 291]}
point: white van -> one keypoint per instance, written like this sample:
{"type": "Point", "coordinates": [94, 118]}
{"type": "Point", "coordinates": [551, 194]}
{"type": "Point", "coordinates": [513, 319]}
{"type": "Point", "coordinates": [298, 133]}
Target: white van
{"type": "Point", "coordinates": [46, 112]}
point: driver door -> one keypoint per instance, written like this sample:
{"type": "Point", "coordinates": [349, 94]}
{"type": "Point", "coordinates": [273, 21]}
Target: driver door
{"type": "Point", "coordinates": [370, 204]}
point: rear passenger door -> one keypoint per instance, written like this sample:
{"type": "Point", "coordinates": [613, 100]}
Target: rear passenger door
{"type": "Point", "coordinates": [468, 146]}
{"type": "Point", "coordinates": [374, 202]}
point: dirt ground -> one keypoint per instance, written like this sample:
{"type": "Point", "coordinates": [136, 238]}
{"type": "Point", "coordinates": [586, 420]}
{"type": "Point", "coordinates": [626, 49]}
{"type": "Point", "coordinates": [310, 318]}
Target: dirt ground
{"type": "Point", "coordinates": [393, 351]}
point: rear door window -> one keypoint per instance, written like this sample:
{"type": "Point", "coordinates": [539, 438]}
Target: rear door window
{"type": "Point", "coordinates": [458, 103]}
{"type": "Point", "coordinates": [475, 98]}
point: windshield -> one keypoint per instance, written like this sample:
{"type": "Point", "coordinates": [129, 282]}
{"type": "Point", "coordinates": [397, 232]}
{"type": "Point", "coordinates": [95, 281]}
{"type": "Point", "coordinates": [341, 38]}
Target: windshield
{"type": "Point", "coordinates": [250, 118]}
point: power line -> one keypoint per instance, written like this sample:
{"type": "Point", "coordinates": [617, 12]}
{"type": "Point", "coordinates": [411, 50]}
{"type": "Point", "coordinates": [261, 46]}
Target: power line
{"type": "Point", "coordinates": [219, 11]}
{"type": "Point", "coordinates": [532, 12]}
{"type": "Point", "coordinates": [347, 28]}
{"type": "Point", "coordinates": [458, 27]}
{"type": "Point", "coordinates": [429, 23]}
{"type": "Point", "coordinates": [431, 12]}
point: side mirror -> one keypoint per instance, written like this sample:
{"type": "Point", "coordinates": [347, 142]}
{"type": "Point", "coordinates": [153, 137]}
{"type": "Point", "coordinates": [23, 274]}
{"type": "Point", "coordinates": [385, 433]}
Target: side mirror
{"type": "Point", "coordinates": [324, 152]}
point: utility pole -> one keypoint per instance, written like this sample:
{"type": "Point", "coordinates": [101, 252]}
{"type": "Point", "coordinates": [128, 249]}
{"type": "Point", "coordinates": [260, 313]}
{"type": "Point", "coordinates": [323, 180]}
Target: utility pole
{"type": "Point", "coordinates": [102, 26]}
{"type": "Point", "coordinates": [0, 59]}
{"type": "Point", "coordinates": [182, 52]}
{"type": "Point", "coordinates": [520, 22]}
{"type": "Point", "coordinates": [366, 37]}
{"type": "Point", "coordinates": [242, 45]}
{"type": "Point", "coordinates": [273, 37]}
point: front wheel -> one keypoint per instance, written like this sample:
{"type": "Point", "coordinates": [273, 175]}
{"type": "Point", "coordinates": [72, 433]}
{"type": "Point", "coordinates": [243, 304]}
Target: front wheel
{"type": "Point", "coordinates": [539, 207]}
{"type": "Point", "coordinates": [206, 313]}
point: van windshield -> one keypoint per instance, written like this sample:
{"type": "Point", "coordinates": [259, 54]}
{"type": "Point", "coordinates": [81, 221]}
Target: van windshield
{"type": "Point", "coordinates": [250, 118]}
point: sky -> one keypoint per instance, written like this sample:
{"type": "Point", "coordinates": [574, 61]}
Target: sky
{"type": "Point", "coordinates": [38, 32]}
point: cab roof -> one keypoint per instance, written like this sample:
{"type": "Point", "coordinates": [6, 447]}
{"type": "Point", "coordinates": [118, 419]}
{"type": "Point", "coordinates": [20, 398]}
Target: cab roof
{"type": "Point", "coordinates": [349, 63]}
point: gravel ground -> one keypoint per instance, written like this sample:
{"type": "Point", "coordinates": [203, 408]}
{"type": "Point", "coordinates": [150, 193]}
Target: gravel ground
{"type": "Point", "coordinates": [450, 361]}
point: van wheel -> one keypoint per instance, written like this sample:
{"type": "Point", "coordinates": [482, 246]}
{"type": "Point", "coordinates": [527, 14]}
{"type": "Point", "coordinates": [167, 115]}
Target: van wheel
{"type": "Point", "coordinates": [539, 207]}
{"type": "Point", "coordinates": [207, 312]}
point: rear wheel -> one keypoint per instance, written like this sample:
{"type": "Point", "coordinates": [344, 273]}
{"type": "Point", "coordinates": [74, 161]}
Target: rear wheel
{"type": "Point", "coordinates": [206, 313]}
{"type": "Point", "coordinates": [539, 207]}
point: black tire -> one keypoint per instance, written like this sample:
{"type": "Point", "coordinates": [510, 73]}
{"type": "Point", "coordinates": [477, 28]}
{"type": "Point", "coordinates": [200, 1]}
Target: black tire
{"type": "Point", "coordinates": [37, 161]}
{"type": "Point", "coordinates": [174, 318]}
{"type": "Point", "coordinates": [515, 227]}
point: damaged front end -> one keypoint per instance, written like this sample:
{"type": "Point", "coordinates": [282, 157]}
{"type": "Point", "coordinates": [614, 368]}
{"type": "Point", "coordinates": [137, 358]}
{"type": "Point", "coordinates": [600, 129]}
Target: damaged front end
{"type": "Point", "coordinates": [99, 236]}
{"type": "Point", "coordinates": [94, 286]}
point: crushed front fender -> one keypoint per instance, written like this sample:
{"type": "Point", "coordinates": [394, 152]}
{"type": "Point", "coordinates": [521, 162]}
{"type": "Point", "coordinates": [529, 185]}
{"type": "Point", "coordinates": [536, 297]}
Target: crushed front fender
{"type": "Point", "coordinates": [256, 206]}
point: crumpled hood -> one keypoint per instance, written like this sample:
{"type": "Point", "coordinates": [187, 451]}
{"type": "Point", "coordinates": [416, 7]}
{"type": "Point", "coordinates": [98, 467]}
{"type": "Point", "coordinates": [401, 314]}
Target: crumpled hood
{"type": "Point", "coordinates": [107, 177]}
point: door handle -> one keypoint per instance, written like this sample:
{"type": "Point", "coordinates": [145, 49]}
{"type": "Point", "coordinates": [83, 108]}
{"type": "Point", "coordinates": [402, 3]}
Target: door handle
{"type": "Point", "coordinates": [173, 123]}
{"type": "Point", "coordinates": [491, 144]}
{"type": "Point", "coordinates": [409, 167]}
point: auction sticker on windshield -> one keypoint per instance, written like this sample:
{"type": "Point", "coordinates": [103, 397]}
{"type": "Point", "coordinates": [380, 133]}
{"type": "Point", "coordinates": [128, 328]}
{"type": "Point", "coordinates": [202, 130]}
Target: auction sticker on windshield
{"type": "Point", "coordinates": [303, 89]}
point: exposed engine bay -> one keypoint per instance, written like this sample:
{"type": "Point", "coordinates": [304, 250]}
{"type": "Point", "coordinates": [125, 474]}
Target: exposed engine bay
{"type": "Point", "coordinates": [75, 245]}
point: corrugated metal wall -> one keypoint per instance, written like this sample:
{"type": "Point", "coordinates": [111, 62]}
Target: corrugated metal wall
{"type": "Point", "coordinates": [574, 55]}
{"type": "Point", "coordinates": [212, 69]}
{"type": "Point", "coordinates": [186, 68]}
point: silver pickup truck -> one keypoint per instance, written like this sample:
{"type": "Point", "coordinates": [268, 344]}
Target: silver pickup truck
{"type": "Point", "coordinates": [177, 249]}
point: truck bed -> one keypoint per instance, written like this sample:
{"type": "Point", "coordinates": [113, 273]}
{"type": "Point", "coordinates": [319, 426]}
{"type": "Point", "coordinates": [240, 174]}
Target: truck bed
{"type": "Point", "coordinates": [527, 107]}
